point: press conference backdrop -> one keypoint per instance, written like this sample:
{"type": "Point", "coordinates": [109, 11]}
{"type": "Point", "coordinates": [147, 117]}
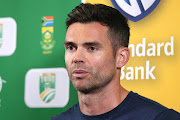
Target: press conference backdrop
{"type": "Point", "coordinates": [33, 78]}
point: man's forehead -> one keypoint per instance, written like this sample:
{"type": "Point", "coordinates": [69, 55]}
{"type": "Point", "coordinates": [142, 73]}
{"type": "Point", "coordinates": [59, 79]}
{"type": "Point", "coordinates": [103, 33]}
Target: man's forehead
{"type": "Point", "coordinates": [83, 33]}
{"type": "Point", "coordinates": [87, 28]}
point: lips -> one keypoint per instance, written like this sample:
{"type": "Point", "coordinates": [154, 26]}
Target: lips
{"type": "Point", "coordinates": [80, 73]}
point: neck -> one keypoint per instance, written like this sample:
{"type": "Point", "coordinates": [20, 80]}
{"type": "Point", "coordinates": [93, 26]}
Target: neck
{"type": "Point", "coordinates": [102, 101]}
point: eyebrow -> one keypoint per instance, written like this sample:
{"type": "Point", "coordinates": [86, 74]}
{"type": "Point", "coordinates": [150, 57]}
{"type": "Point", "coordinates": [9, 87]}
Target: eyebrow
{"type": "Point", "coordinates": [92, 44]}
{"type": "Point", "coordinates": [66, 43]}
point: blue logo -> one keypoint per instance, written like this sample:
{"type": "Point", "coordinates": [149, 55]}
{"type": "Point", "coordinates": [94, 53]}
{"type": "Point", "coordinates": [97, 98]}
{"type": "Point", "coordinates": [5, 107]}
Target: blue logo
{"type": "Point", "coordinates": [135, 10]}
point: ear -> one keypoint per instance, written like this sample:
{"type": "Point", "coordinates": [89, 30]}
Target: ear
{"type": "Point", "coordinates": [122, 57]}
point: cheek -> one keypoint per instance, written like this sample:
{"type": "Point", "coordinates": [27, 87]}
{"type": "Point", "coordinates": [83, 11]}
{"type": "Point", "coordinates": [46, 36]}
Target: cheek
{"type": "Point", "coordinates": [103, 63]}
{"type": "Point", "coordinates": [68, 60]}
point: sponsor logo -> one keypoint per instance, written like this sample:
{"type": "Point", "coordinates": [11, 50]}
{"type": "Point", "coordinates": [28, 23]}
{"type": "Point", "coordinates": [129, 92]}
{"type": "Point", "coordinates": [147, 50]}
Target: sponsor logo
{"type": "Point", "coordinates": [1, 85]}
{"type": "Point", "coordinates": [83, 1]}
{"type": "Point", "coordinates": [46, 88]}
{"type": "Point", "coordinates": [8, 33]}
{"type": "Point", "coordinates": [135, 10]}
{"type": "Point", "coordinates": [1, 38]}
{"type": "Point", "coordinates": [47, 31]}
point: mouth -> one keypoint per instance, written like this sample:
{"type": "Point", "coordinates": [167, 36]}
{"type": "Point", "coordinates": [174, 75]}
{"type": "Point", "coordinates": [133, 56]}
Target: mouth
{"type": "Point", "coordinates": [80, 73]}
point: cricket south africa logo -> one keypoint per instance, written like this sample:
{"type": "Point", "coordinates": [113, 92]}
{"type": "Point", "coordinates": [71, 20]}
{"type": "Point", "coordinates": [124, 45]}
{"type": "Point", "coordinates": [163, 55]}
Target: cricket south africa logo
{"type": "Point", "coordinates": [47, 87]}
{"type": "Point", "coordinates": [8, 36]}
{"type": "Point", "coordinates": [135, 10]}
{"type": "Point", "coordinates": [47, 31]}
{"type": "Point", "coordinates": [1, 83]}
{"type": "Point", "coordinates": [1, 35]}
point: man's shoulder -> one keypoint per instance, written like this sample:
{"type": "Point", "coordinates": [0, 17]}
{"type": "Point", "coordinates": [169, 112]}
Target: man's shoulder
{"type": "Point", "coordinates": [67, 115]}
{"type": "Point", "coordinates": [149, 109]}
{"type": "Point", "coordinates": [168, 114]}
{"type": "Point", "coordinates": [147, 104]}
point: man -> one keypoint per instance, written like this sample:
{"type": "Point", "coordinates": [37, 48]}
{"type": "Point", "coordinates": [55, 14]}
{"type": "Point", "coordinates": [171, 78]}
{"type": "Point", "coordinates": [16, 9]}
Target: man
{"type": "Point", "coordinates": [96, 47]}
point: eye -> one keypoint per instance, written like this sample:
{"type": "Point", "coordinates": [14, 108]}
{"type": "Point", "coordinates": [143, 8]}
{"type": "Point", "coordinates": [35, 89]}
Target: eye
{"type": "Point", "coordinates": [92, 48]}
{"type": "Point", "coordinates": [70, 47]}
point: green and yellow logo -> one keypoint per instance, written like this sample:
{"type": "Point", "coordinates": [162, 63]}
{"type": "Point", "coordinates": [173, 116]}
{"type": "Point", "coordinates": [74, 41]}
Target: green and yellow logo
{"type": "Point", "coordinates": [1, 36]}
{"type": "Point", "coordinates": [47, 87]}
{"type": "Point", "coordinates": [47, 31]}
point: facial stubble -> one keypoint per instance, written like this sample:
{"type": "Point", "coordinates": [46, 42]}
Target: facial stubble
{"type": "Point", "coordinates": [94, 82]}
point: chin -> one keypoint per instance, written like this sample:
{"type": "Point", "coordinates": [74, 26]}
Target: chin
{"type": "Point", "coordinates": [84, 90]}
{"type": "Point", "coordinates": [87, 89]}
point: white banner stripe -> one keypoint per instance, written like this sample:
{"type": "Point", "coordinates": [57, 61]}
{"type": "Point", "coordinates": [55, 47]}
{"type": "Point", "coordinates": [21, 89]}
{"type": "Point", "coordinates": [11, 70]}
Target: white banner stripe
{"type": "Point", "coordinates": [83, 1]}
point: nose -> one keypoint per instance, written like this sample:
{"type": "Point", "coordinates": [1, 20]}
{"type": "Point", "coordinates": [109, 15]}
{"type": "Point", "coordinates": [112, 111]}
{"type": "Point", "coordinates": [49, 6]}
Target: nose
{"type": "Point", "coordinates": [79, 56]}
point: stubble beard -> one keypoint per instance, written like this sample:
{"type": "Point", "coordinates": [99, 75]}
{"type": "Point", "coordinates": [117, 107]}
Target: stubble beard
{"type": "Point", "coordinates": [94, 82]}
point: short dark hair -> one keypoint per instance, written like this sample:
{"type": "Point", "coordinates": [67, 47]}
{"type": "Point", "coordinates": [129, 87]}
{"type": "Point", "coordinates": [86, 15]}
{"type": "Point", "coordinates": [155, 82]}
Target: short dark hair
{"type": "Point", "coordinates": [118, 25]}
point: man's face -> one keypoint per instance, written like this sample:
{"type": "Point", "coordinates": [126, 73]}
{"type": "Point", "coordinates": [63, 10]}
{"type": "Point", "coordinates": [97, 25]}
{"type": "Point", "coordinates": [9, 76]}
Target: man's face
{"type": "Point", "coordinates": [89, 56]}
